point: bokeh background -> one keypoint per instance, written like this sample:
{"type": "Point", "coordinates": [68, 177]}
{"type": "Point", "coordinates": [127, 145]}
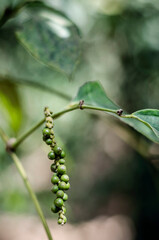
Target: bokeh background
{"type": "Point", "coordinates": [113, 169]}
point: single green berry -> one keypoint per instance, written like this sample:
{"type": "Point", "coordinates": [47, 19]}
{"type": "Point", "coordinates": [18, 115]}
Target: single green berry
{"type": "Point", "coordinates": [60, 194]}
{"type": "Point", "coordinates": [45, 138]}
{"type": "Point", "coordinates": [64, 219]}
{"type": "Point", "coordinates": [55, 179]}
{"type": "Point", "coordinates": [65, 178]}
{"type": "Point", "coordinates": [46, 132]}
{"type": "Point", "coordinates": [51, 155]}
{"type": "Point", "coordinates": [61, 169]}
{"type": "Point", "coordinates": [52, 131]}
{"type": "Point", "coordinates": [61, 215]}
{"type": "Point", "coordinates": [54, 209]}
{"type": "Point", "coordinates": [67, 186]}
{"type": "Point", "coordinates": [49, 141]}
{"type": "Point", "coordinates": [53, 167]}
{"type": "Point", "coordinates": [62, 185]}
{"type": "Point", "coordinates": [59, 221]}
{"type": "Point", "coordinates": [54, 189]}
{"type": "Point", "coordinates": [57, 150]}
{"type": "Point", "coordinates": [49, 119]}
{"type": "Point", "coordinates": [65, 197]}
{"type": "Point", "coordinates": [49, 125]}
{"type": "Point", "coordinates": [62, 161]}
{"type": "Point", "coordinates": [64, 209]}
{"type": "Point", "coordinates": [62, 154]}
{"type": "Point", "coordinates": [58, 202]}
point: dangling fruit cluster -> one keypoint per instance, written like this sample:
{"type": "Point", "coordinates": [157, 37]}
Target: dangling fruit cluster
{"type": "Point", "coordinates": [60, 179]}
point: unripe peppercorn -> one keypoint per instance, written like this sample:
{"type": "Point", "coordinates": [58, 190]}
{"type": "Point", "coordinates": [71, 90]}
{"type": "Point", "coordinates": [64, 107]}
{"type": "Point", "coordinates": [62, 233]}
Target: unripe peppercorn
{"type": "Point", "coordinates": [54, 189]}
{"type": "Point", "coordinates": [49, 141]}
{"type": "Point", "coordinates": [67, 186]}
{"type": "Point", "coordinates": [49, 125]}
{"type": "Point", "coordinates": [60, 194]}
{"type": "Point", "coordinates": [62, 185]}
{"type": "Point", "coordinates": [65, 178]}
{"type": "Point", "coordinates": [62, 161]}
{"type": "Point", "coordinates": [52, 131]}
{"type": "Point", "coordinates": [61, 169]}
{"type": "Point", "coordinates": [49, 119]}
{"type": "Point", "coordinates": [61, 215]}
{"type": "Point", "coordinates": [65, 197]}
{"type": "Point", "coordinates": [57, 150]}
{"type": "Point", "coordinates": [54, 209]}
{"type": "Point", "coordinates": [62, 154]}
{"type": "Point", "coordinates": [55, 179]}
{"type": "Point", "coordinates": [59, 221]}
{"type": "Point", "coordinates": [64, 209]}
{"type": "Point", "coordinates": [46, 132]}
{"type": "Point", "coordinates": [51, 155]}
{"type": "Point", "coordinates": [58, 202]}
{"type": "Point", "coordinates": [53, 167]}
{"type": "Point", "coordinates": [64, 219]}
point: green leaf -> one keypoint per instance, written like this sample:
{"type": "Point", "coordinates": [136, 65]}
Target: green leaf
{"type": "Point", "coordinates": [144, 121]}
{"type": "Point", "coordinates": [51, 38]}
{"type": "Point", "coordinates": [17, 65]}
{"type": "Point", "coordinates": [93, 94]}
{"type": "Point", "coordinates": [10, 105]}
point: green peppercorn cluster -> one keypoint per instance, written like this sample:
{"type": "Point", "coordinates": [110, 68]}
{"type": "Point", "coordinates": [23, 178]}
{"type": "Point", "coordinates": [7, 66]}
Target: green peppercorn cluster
{"type": "Point", "coordinates": [60, 179]}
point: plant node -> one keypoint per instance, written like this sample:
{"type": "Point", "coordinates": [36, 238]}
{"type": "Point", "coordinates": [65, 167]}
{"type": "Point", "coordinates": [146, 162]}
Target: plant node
{"type": "Point", "coordinates": [119, 112]}
{"type": "Point", "coordinates": [81, 102]}
{"type": "Point", "coordinates": [9, 145]}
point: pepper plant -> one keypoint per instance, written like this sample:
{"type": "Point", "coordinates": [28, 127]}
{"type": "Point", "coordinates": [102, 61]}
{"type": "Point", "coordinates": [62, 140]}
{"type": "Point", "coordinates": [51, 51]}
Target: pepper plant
{"type": "Point", "coordinates": [49, 36]}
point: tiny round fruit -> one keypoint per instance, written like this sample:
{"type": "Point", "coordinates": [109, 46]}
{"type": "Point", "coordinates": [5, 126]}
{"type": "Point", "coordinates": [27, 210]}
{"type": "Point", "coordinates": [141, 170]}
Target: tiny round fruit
{"type": "Point", "coordinates": [57, 150]}
{"type": "Point", "coordinates": [49, 125]}
{"type": "Point", "coordinates": [44, 138]}
{"type": "Point", "coordinates": [49, 119]}
{"type": "Point", "coordinates": [58, 202]}
{"type": "Point", "coordinates": [61, 169]}
{"type": "Point", "coordinates": [67, 186]}
{"type": "Point", "coordinates": [55, 179]}
{"type": "Point", "coordinates": [51, 155]}
{"type": "Point", "coordinates": [62, 154]}
{"type": "Point", "coordinates": [60, 221]}
{"type": "Point", "coordinates": [54, 189]}
{"type": "Point", "coordinates": [46, 132]}
{"type": "Point", "coordinates": [61, 216]}
{"type": "Point", "coordinates": [64, 219]}
{"type": "Point", "coordinates": [62, 161]}
{"type": "Point", "coordinates": [60, 194]}
{"type": "Point", "coordinates": [65, 178]}
{"type": "Point", "coordinates": [62, 185]}
{"type": "Point", "coordinates": [64, 209]}
{"type": "Point", "coordinates": [53, 167]}
{"type": "Point", "coordinates": [52, 131]}
{"type": "Point", "coordinates": [49, 141]}
{"type": "Point", "coordinates": [65, 197]}
{"type": "Point", "coordinates": [54, 209]}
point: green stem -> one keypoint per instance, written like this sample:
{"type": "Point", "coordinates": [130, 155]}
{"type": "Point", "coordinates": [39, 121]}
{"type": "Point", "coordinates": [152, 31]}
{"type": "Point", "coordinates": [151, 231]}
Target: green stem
{"type": "Point", "coordinates": [23, 174]}
{"type": "Point", "coordinates": [30, 131]}
{"type": "Point", "coordinates": [57, 115]}
{"type": "Point", "coordinates": [69, 109]}
{"type": "Point", "coordinates": [25, 135]}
